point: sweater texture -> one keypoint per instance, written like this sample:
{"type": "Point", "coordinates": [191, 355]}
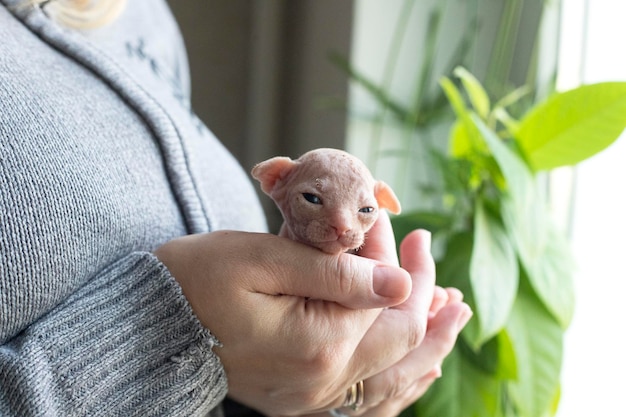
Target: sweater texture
{"type": "Point", "coordinates": [101, 161]}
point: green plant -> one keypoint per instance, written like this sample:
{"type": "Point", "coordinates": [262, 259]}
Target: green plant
{"type": "Point", "coordinates": [498, 41]}
{"type": "Point", "coordinates": [501, 247]}
{"type": "Point", "coordinates": [486, 193]}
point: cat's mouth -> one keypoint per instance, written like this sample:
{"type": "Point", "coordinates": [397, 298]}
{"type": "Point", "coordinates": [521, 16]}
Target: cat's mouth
{"type": "Point", "coordinates": [328, 239]}
{"type": "Point", "coordinates": [339, 244]}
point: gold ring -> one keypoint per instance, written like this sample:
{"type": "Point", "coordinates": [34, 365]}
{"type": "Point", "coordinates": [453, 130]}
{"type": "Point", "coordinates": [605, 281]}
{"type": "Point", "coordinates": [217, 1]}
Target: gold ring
{"type": "Point", "coordinates": [354, 396]}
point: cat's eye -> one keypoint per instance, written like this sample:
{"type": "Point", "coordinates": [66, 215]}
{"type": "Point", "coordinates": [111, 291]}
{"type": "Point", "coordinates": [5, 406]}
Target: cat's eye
{"type": "Point", "coordinates": [312, 198]}
{"type": "Point", "coordinates": [366, 210]}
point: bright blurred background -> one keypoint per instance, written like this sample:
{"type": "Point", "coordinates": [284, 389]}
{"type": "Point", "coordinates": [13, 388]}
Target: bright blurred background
{"type": "Point", "coordinates": [594, 360]}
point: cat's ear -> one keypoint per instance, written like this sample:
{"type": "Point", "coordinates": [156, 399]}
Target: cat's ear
{"type": "Point", "coordinates": [386, 198]}
{"type": "Point", "coordinates": [268, 172]}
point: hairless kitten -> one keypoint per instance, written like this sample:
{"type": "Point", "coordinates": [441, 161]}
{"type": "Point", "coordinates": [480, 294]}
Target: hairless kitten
{"type": "Point", "coordinates": [328, 198]}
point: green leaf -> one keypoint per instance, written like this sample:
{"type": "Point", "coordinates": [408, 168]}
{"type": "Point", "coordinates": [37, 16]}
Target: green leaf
{"type": "Point", "coordinates": [464, 138]}
{"type": "Point", "coordinates": [513, 97]}
{"type": "Point", "coordinates": [475, 91]}
{"type": "Point", "coordinates": [538, 341]}
{"type": "Point", "coordinates": [496, 357]}
{"type": "Point", "coordinates": [405, 223]}
{"type": "Point", "coordinates": [460, 140]}
{"type": "Point", "coordinates": [502, 116]}
{"type": "Point", "coordinates": [453, 269]}
{"type": "Point", "coordinates": [519, 179]}
{"type": "Point", "coordinates": [463, 391]}
{"type": "Point", "coordinates": [456, 173]}
{"type": "Point", "coordinates": [544, 252]}
{"type": "Point", "coordinates": [546, 257]}
{"type": "Point", "coordinates": [572, 126]}
{"type": "Point", "coordinates": [555, 402]}
{"type": "Point", "coordinates": [552, 277]}
{"type": "Point", "coordinates": [507, 362]}
{"type": "Point", "coordinates": [493, 274]}
{"type": "Point", "coordinates": [454, 97]}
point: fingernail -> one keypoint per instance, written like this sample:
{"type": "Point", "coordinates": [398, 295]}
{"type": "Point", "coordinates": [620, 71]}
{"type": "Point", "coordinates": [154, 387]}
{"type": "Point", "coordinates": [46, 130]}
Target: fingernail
{"type": "Point", "coordinates": [427, 238]}
{"type": "Point", "coordinates": [463, 318]}
{"type": "Point", "coordinates": [434, 373]}
{"type": "Point", "coordinates": [390, 282]}
{"type": "Point", "coordinates": [437, 371]}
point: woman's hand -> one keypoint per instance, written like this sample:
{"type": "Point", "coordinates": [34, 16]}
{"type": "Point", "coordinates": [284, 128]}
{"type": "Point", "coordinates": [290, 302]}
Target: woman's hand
{"type": "Point", "coordinates": [396, 388]}
{"type": "Point", "coordinates": [289, 316]}
{"type": "Point", "coordinates": [298, 326]}
{"type": "Point", "coordinates": [390, 391]}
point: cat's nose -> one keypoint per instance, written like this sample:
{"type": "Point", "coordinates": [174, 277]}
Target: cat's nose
{"type": "Point", "coordinates": [341, 223]}
{"type": "Point", "coordinates": [341, 230]}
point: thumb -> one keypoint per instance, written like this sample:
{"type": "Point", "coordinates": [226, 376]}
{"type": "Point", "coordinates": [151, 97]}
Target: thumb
{"type": "Point", "coordinates": [346, 279]}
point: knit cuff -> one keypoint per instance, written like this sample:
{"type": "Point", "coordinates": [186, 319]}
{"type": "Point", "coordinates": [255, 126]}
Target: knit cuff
{"type": "Point", "coordinates": [127, 343]}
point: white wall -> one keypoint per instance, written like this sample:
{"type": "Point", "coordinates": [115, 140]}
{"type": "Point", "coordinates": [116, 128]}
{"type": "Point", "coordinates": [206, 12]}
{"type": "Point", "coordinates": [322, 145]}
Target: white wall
{"type": "Point", "coordinates": [595, 351]}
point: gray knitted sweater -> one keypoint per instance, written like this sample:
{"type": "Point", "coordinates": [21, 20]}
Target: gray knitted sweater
{"type": "Point", "coordinates": [101, 161]}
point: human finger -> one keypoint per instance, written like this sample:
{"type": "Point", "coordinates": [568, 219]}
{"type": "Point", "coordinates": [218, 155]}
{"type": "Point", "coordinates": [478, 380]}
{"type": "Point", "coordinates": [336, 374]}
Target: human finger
{"type": "Point", "coordinates": [380, 242]}
{"type": "Point", "coordinates": [399, 329]}
{"type": "Point", "coordinates": [442, 333]}
{"type": "Point", "coordinates": [393, 406]}
{"type": "Point", "coordinates": [443, 296]}
{"type": "Point", "coordinates": [454, 294]}
{"type": "Point", "coordinates": [299, 270]}
{"type": "Point", "coordinates": [416, 258]}
{"type": "Point", "coordinates": [440, 299]}
{"type": "Point", "coordinates": [390, 406]}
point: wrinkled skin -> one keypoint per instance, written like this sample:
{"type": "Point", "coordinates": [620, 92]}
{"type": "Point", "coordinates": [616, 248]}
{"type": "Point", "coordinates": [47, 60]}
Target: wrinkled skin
{"type": "Point", "coordinates": [328, 198]}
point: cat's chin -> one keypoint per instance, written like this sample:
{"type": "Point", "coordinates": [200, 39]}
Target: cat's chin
{"type": "Point", "coordinates": [332, 249]}
{"type": "Point", "coordinates": [336, 247]}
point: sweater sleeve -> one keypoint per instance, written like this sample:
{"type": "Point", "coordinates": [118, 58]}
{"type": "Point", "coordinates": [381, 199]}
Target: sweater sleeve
{"type": "Point", "coordinates": [126, 343]}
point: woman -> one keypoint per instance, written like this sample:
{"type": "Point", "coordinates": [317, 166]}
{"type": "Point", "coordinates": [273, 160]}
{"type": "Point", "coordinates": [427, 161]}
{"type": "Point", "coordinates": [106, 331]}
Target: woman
{"type": "Point", "coordinates": [135, 274]}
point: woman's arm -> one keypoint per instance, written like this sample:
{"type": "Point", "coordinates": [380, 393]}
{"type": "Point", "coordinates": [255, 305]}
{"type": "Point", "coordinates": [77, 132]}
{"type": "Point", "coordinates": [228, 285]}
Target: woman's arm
{"type": "Point", "coordinates": [127, 343]}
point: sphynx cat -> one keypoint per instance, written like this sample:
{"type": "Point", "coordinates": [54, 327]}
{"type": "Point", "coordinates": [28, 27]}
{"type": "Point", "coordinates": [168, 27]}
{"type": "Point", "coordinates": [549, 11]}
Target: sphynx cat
{"type": "Point", "coordinates": [328, 198]}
